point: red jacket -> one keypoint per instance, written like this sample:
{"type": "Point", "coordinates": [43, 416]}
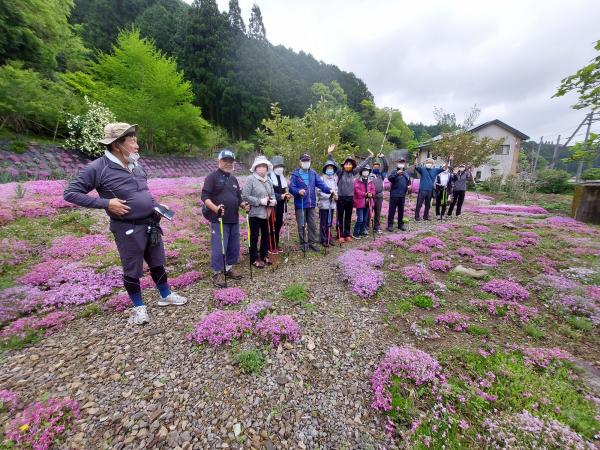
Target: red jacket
{"type": "Point", "coordinates": [360, 193]}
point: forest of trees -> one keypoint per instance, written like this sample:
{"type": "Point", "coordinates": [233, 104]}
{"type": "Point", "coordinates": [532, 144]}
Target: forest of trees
{"type": "Point", "coordinates": [58, 51]}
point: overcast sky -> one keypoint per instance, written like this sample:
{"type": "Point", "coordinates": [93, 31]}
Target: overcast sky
{"type": "Point", "coordinates": [508, 57]}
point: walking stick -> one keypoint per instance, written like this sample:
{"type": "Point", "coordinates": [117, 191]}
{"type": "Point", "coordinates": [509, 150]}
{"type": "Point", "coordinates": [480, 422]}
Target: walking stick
{"type": "Point", "coordinates": [372, 204]}
{"type": "Point", "coordinates": [248, 229]}
{"type": "Point", "coordinates": [406, 219]}
{"type": "Point", "coordinates": [272, 238]}
{"type": "Point", "coordinates": [303, 228]}
{"type": "Point", "coordinates": [223, 249]}
{"type": "Point", "coordinates": [287, 230]}
{"type": "Point", "coordinates": [329, 223]}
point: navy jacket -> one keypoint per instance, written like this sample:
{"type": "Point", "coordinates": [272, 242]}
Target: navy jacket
{"type": "Point", "coordinates": [310, 198]}
{"type": "Point", "coordinates": [427, 177]}
{"type": "Point", "coordinates": [399, 184]}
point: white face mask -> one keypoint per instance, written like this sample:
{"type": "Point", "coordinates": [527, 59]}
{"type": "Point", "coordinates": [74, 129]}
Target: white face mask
{"type": "Point", "coordinates": [278, 171]}
{"type": "Point", "coordinates": [132, 157]}
{"type": "Point", "coordinates": [305, 165]}
{"type": "Point", "coordinates": [365, 173]}
{"type": "Point", "coordinates": [429, 166]}
{"type": "Point", "coordinates": [400, 166]}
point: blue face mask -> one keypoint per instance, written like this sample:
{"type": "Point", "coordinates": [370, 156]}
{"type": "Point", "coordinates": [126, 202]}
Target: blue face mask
{"type": "Point", "coordinates": [329, 171]}
{"type": "Point", "coordinates": [376, 171]}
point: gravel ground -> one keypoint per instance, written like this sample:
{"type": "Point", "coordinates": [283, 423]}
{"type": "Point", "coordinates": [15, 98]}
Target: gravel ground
{"type": "Point", "coordinates": [149, 387]}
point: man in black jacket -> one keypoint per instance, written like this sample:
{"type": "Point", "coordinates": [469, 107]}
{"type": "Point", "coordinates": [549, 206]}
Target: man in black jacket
{"type": "Point", "coordinates": [122, 186]}
{"type": "Point", "coordinates": [399, 186]}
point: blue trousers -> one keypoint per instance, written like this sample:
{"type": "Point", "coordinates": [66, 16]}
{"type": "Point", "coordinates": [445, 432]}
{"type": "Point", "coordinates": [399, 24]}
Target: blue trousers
{"type": "Point", "coordinates": [231, 238]}
{"type": "Point", "coordinates": [361, 221]}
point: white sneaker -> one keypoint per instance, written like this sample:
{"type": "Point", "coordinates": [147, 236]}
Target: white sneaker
{"type": "Point", "coordinates": [172, 299]}
{"type": "Point", "coordinates": [138, 315]}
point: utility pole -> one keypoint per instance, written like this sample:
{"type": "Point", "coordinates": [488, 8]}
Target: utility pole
{"type": "Point", "coordinates": [537, 155]}
{"type": "Point", "coordinates": [555, 155]}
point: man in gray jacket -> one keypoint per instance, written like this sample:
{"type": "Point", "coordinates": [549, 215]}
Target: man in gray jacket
{"type": "Point", "coordinates": [378, 176]}
{"type": "Point", "coordinates": [122, 186]}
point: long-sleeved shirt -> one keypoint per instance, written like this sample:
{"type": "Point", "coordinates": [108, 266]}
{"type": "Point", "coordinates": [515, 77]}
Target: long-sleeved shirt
{"type": "Point", "coordinates": [112, 180]}
{"type": "Point", "coordinates": [346, 179]}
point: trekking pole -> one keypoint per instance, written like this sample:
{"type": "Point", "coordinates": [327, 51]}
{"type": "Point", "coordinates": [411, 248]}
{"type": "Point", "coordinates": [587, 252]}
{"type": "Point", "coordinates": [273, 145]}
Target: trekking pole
{"type": "Point", "coordinates": [248, 229]}
{"type": "Point", "coordinates": [372, 203]}
{"type": "Point", "coordinates": [287, 230]}
{"type": "Point", "coordinates": [406, 219]}
{"type": "Point", "coordinates": [223, 249]}
{"type": "Point", "coordinates": [329, 217]}
{"type": "Point", "coordinates": [272, 239]}
{"type": "Point", "coordinates": [303, 228]}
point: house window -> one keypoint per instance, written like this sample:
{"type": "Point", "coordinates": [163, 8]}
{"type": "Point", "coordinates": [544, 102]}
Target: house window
{"type": "Point", "coordinates": [478, 175]}
{"type": "Point", "coordinates": [503, 150]}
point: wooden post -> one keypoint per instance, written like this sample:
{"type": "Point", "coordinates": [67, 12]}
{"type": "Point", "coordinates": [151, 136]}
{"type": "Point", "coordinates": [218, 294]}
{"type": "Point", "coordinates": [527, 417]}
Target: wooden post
{"type": "Point", "coordinates": [537, 155]}
{"type": "Point", "coordinates": [587, 135]}
{"type": "Point", "coordinates": [555, 155]}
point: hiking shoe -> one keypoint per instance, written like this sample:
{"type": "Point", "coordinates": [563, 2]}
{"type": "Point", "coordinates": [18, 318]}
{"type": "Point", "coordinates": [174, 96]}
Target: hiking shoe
{"type": "Point", "coordinates": [357, 237]}
{"type": "Point", "coordinates": [417, 219]}
{"type": "Point", "coordinates": [218, 279]}
{"type": "Point", "coordinates": [348, 239]}
{"type": "Point", "coordinates": [138, 315]}
{"type": "Point", "coordinates": [314, 247]}
{"type": "Point", "coordinates": [389, 229]}
{"type": "Point", "coordinates": [234, 274]}
{"type": "Point", "coordinates": [402, 228]}
{"type": "Point", "coordinates": [267, 261]}
{"type": "Point", "coordinates": [172, 299]}
{"type": "Point", "coordinates": [379, 231]}
{"type": "Point", "coordinates": [341, 240]}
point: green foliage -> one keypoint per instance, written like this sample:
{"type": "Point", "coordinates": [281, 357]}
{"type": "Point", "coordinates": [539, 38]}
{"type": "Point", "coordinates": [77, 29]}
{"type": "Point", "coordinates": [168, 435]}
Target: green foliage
{"type": "Point", "coordinates": [515, 188]}
{"type": "Point", "coordinates": [256, 27]}
{"type": "Point", "coordinates": [86, 129]}
{"type": "Point", "coordinates": [591, 174]}
{"type": "Point", "coordinates": [32, 103]}
{"type": "Point", "coordinates": [89, 310]}
{"type": "Point", "coordinates": [476, 330]}
{"type": "Point", "coordinates": [37, 33]}
{"type": "Point", "coordinates": [160, 101]}
{"type": "Point", "coordinates": [31, 337]}
{"type": "Point", "coordinates": [250, 361]}
{"type": "Point", "coordinates": [465, 147]}
{"type": "Point", "coordinates": [422, 301]}
{"type": "Point", "coordinates": [580, 323]}
{"type": "Point", "coordinates": [295, 293]}
{"type": "Point", "coordinates": [552, 181]}
{"type": "Point", "coordinates": [534, 332]}
{"type": "Point", "coordinates": [585, 82]}
{"type": "Point", "coordinates": [399, 307]}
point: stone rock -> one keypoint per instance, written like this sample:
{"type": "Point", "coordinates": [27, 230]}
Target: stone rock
{"type": "Point", "coordinates": [473, 273]}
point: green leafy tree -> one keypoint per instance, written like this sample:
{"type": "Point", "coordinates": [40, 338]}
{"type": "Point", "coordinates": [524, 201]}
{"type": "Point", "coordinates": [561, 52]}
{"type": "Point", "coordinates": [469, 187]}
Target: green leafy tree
{"type": "Point", "coordinates": [585, 82]}
{"type": "Point", "coordinates": [142, 85]}
{"type": "Point", "coordinates": [161, 23]}
{"type": "Point", "coordinates": [465, 147]}
{"type": "Point", "coordinates": [31, 103]}
{"type": "Point", "coordinates": [37, 33]}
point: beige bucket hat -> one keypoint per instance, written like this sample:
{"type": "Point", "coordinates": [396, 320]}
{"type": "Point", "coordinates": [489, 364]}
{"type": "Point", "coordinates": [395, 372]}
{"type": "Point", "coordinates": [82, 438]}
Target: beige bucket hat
{"type": "Point", "coordinates": [260, 159]}
{"type": "Point", "coordinates": [114, 131]}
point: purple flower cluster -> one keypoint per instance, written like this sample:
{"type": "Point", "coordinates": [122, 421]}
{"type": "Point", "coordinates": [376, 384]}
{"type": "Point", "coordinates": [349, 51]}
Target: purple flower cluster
{"type": "Point", "coordinates": [185, 279]}
{"type": "Point", "coordinates": [418, 274]}
{"type": "Point", "coordinates": [509, 309]}
{"type": "Point", "coordinates": [440, 265]}
{"type": "Point", "coordinates": [52, 321]}
{"type": "Point", "coordinates": [506, 289]}
{"type": "Point", "coordinates": [409, 365]}
{"type": "Point", "coordinates": [19, 300]}
{"type": "Point", "coordinates": [465, 251]}
{"type": "Point", "coordinates": [557, 282]}
{"type": "Point", "coordinates": [513, 431]}
{"type": "Point", "coordinates": [475, 239]}
{"type": "Point", "coordinates": [119, 302]}
{"type": "Point", "coordinates": [453, 320]}
{"type": "Point", "coordinates": [432, 241]}
{"type": "Point", "coordinates": [278, 328]}
{"type": "Point", "coordinates": [78, 247]}
{"type": "Point", "coordinates": [506, 255]}
{"type": "Point", "coordinates": [542, 357]}
{"type": "Point", "coordinates": [229, 296]}
{"type": "Point", "coordinates": [39, 424]}
{"type": "Point", "coordinates": [359, 269]}
{"type": "Point", "coordinates": [419, 248]}
{"type": "Point", "coordinates": [481, 229]}
{"type": "Point", "coordinates": [8, 400]}
{"type": "Point", "coordinates": [255, 309]}
{"type": "Point", "coordinates": [486, 261]}
{"type": "Point", "coordinates": [220, 327]}
{"type": "Point", "coordinates": [579, 305]}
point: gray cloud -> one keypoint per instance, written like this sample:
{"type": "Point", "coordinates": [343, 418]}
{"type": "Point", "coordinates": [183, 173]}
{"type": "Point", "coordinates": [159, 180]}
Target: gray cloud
{"type": "Point", "coordinates": [507, 57]}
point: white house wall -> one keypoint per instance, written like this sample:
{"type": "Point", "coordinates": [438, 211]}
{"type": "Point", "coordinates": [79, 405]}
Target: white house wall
{"type": "Point", "coordinates": [505, 164]}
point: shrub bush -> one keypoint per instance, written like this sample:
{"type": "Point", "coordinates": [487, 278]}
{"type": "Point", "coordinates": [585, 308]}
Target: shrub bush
{"type": "Point", "coordinates": [552, 181]}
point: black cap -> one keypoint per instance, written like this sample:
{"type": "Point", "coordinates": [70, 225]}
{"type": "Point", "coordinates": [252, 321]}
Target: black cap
{"type": "Point", "coordinates": [305, 157]}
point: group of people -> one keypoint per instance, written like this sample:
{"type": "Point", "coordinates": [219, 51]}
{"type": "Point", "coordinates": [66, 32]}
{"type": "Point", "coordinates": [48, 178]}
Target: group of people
{"type": "Point", "coordinates": [318, 198]}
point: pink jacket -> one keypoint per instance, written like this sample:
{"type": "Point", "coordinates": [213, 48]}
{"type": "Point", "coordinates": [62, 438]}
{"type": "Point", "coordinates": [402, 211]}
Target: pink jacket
{"type": "Point", "coordinates": [360, 193]}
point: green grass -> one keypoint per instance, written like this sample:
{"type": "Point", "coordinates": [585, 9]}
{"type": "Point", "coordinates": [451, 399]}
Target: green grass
{"type": "Point", "coordinates": [534, 332]}
{"type": "Point", "coordinates": [422, 301]}
{"type": "Point", "coordinates": [580, 323]}
{"type": "Point", "coordinates": [399, 307]}
{"type": "Point", "coordinates": [250, 361]}
{"type": "Point", "coordinates": [31, 337]}
{"type": "Point", "coordinates": [297, 294]}
{"type": "Point", "coordinates": [476, 330]}
{"type": "Point", "coordinates": [91, 309]}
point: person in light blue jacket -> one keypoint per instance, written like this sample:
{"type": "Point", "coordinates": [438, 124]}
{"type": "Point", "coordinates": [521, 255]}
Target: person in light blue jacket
{"type": "Point", "coordinates": [427, 174]}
